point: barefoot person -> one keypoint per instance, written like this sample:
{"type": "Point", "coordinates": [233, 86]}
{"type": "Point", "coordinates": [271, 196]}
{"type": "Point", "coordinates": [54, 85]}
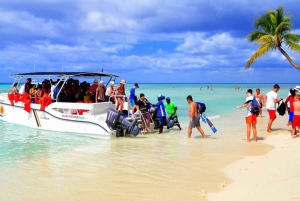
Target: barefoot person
{"type": "Point", "coordinates": [194, 117]}
{"type": "Point", "coordinates": [250, 118]}
{"type": "Point", "coordinates": [260, 99]}
{"type": "Point", "coordinates": [171, 109]}
{"type": "Point", "coordinates": [270, 101]}
{"type": "Point", "coordinates": [296, 122]}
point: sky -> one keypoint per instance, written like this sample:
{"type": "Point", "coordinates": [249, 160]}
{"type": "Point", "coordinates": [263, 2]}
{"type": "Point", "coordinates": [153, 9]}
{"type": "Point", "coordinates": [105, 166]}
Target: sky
{"type": "Point", "coordinates": [149, 41]}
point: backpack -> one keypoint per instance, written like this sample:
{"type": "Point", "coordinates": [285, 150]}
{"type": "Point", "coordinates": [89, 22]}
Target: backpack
{"type": "Point", "coordinates": [281, 109]}
{"type": "Point", "coordinates": [201, 107]}
{"type": "Point", "coordinates": [254, 107]}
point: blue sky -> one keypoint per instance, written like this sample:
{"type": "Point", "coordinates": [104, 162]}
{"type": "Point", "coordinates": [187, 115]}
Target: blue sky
{"type": "Point", "coordinates": [145, 41]}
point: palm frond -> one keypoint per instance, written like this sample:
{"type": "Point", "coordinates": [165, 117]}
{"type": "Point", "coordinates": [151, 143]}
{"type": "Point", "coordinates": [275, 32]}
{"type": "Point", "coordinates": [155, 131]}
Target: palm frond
{"type": "Point", "coordinates": [262, 50]}
{"type": "Point", "coordinates": [255, 35]}
{"type": "Point", "coordinates": [293, 46]}
{"type": "Point", "coordinates": [283, 28]}
{"type": "Point", "coordinates": [271, 40]}
{"type": "Point", "coordinates": [292, 37]}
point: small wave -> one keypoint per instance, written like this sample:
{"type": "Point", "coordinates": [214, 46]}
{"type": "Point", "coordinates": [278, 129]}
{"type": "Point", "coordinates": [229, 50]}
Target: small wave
{"type": "Point", "coordinates": [214, 117]}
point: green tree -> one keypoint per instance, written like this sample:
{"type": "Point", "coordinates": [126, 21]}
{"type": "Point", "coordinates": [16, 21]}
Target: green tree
{"type": "Point", "coordinates": [271, 31]}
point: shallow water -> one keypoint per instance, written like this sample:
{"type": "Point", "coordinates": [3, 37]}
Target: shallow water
{"type": "Point", "coordinates": [44, 165]}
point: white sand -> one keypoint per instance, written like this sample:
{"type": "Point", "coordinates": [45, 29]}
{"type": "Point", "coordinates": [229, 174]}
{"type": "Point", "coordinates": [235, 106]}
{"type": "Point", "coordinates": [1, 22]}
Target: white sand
{"type": "Point", "coordinates": [274, 176]}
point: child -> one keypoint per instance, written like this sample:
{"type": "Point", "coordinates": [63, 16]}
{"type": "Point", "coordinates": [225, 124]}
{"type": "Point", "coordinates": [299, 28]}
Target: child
{"type": "Point", "coordinates": [296, 121]}
{"type": "Point", "coordinates": [290, 100]}
{"type": "Point", "coordinates": [250, 118]}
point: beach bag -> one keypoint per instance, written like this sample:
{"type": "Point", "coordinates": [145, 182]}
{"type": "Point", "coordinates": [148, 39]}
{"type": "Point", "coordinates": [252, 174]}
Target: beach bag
{"type": "Point", "coordinates": [281, 108]}
{"type": "Point", "coordinates": [201, 107]}
{"type": "Point", "coordinates": [254, 107]}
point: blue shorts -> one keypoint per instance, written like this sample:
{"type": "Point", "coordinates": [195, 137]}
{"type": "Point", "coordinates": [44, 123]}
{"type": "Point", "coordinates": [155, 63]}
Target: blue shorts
{"type": "Point", "coordinates": [132, 102]}
{"type": "Point", "coordinates": [162, 121]}
{"type": "Point", "coordinates": [291, 118]}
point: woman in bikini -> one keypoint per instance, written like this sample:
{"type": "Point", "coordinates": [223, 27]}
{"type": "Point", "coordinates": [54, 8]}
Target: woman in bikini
{"type": "Point", "coordinates": [120, 94]}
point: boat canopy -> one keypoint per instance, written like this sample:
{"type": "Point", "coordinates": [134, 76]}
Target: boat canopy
{"type": "Point", "coordinates": [63, 74]}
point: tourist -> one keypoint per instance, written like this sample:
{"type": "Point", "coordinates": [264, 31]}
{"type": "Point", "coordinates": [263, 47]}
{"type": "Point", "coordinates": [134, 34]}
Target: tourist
{"type": "Point", "coordinates": [142, 106]}
{"type": "Point", "coordinates": [28, 85]}
{"type": "Point", "coordinates": [92, 90]}
{"type": "Point", "coordinates": [171, 109]}
{"type": "Point", "coordinates": [132, 98]}
{"type": "Point", "coordinates": [194, 117]}
{"type": "Point", "coordinates": [270, 101]}
{"type": "Point", "coordinates": [259, 98]}
{"type": "Point", "coordinates": [161, 112]}
{"type": "Point", "coordinates": [39, 94]}
{"type": "Point", "coordinates": [120, 94]}
{"type": "Point", "coordinates": [14, 90]}
{"type": "Point", "coordinates": [296, 122]}
{"type": "Point", "coordinates": [289, 101]}
{"type": "Point", "coordinates": [32, 91]}
{"type": "Point", "coordinates": [109, 92]}
{"type": "Point", "coordinates": [100, 93]}
{"type": "Point", "coordinates": [251, 119]}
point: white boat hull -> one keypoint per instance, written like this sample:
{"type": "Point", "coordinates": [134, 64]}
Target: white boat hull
{"type": "Point", "coordinates": [54, 119]}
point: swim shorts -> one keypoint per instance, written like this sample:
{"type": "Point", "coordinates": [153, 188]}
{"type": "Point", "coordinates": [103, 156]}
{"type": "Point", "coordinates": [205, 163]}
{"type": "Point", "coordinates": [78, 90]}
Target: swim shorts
{"type": "Point", "coordinates": [146, 116]}
{"type": "Point", "coordinates": [195, 122]}
{"type": "Point", "coordinates": [296, 122]}
{"type": "Point", "coordinates": [261, 105]}
{"type": "Point", "coordinates": [252, 119]}
{"type": "Point", "coordinates": [291, 117]}
{"type": "Point", "coordinates": [272, 114]}
{"type": "Point", "coordinates": [132, 102]}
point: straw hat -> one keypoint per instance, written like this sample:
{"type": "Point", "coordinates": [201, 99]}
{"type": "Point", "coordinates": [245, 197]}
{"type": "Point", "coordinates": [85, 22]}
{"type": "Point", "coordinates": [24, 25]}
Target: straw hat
{"type": "Point", "coordinates": [123, 82]}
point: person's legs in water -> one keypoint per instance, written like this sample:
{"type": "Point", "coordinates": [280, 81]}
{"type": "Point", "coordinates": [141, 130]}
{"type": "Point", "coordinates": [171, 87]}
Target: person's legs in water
{"type": "Point", "coordinates": [201, 131]}
{"type": "Point", "coordinates": [254, 132]}
{"type": "Point", "coordinates": [189, 132]}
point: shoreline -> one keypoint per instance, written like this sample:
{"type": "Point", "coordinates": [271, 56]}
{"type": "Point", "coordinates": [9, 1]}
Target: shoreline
{"type": "Point", "coordinates": [162, 167]}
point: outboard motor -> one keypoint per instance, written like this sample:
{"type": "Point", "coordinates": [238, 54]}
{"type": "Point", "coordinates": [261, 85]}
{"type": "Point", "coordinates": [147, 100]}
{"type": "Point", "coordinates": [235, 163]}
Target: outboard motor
{"type": "Point", "coordinates": [116, 121]}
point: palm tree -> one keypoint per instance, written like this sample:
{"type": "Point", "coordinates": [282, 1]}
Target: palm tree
{"type": "Point", "coordinates": [271, 31]}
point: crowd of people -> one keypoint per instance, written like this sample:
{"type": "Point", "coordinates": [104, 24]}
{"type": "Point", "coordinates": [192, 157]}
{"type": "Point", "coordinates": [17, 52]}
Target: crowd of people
{"type": "Point", "coordinates": [74, 91]}
{"type": "Point", "coordinates": [292, 105]}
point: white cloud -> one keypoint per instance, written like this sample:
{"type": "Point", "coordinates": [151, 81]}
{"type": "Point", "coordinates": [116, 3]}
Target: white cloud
{"type": "Point", "coordinates": [201, 43]}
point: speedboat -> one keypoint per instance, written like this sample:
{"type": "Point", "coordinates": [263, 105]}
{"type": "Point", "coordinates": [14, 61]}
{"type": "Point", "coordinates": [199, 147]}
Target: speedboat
{"type": "Point", "coordinates": [78, 117]}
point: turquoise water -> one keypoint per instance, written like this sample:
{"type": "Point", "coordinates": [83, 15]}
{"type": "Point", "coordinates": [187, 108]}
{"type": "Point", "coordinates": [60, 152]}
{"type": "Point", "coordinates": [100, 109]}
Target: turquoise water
{"type": "Point", "coordinates": [89, 168]}
{"type": "Point", "coordinates": [221, 100]}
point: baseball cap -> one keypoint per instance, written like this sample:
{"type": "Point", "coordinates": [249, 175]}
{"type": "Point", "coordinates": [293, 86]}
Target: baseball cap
{"type": "Point", "coordinates": [297, 88]}
{"type": "Point", "coordinates": [101, 81]}
{"type": "Point", "coordinates": [168, 98]}
{"type": "Point", "coordinates": [160, 96]}
{"type": "Point", "coordinates": [112, 83]}
{"type": "Point", "coordinates": [137, 85]}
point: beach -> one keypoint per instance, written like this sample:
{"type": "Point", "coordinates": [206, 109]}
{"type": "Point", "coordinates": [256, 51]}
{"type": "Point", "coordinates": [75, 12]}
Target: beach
{"type": "Point", "coordinates": [44, 165]}
{"type": "Point", "coordinates": [273, 176]}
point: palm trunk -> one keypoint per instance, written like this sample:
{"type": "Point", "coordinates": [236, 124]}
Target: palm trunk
{"type": "Point", "coordinates": [289, 58]}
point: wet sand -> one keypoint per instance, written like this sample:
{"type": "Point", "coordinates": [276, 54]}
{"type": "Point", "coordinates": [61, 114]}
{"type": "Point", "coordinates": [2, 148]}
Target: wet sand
{"type": "Point", "coordinates": [149, 167]}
